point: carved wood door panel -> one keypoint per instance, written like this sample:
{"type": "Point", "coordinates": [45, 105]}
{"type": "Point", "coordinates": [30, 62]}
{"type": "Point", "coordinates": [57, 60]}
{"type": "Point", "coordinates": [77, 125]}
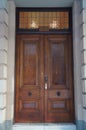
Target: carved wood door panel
{"type": "Point", "coordinates": [44, 89]}
{"type": "Point", "coordinates": [29, 79]}
{"type": "Point", "coordinates": [59, 105]}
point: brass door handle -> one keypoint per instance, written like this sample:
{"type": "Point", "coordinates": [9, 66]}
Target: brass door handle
{"type": "Point", "coordinates": [45, 86]}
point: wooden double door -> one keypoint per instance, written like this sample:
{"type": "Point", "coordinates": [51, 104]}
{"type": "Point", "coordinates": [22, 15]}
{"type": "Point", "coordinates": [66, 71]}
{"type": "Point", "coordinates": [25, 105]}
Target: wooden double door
{"type": "Point", "coordinates": [44, 83]}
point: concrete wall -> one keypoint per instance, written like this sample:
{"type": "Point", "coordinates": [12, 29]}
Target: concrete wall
{"type": "Point", "coordinates": [79, 37]}
{"type": "Point", "coordinates": [83, 53]}
{"type": "Point", "coordinates": [3, 60]}
{"type": "Point", "coordinates": [11, 66]}
{"type": "Point", "coordinates": [7, 36]}
{"type": "Point", "coordinates": [77, 60]}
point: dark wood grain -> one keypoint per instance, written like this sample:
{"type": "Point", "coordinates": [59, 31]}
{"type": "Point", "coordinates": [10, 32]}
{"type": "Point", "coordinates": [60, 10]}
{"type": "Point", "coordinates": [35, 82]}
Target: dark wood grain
{"type": "Point", "coordinates": [40, 60]}
{"type": "Point", "coordinates": [59, 71]}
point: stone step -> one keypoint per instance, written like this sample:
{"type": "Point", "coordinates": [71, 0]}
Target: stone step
{"type": "Point", "coordinates": [44, 126]}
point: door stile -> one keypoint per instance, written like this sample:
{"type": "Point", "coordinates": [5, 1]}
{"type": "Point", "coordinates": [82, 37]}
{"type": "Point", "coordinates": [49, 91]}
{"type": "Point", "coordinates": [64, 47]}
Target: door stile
{"type": "Point", "coordinates": [71, 76]}
{"type": "Point", "coordinates": [42, 75]}
{"type": "Point", "coordinates": [17, 78]}
{"type": "Point", "coordinates": [46, 78]}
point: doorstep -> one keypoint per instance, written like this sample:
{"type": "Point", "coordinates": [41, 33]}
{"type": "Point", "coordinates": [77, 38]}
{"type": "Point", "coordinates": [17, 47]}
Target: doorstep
{"type": "Point", "coordinates": [44, 126]}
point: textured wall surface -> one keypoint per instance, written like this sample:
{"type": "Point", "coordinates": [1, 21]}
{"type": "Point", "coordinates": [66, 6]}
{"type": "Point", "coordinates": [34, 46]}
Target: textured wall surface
{"type": "Point", "coordinates": [7, 36]}
{"type": "Point", "coordinates": [83, 53]}
{"type": "Point", "coordinates": [3, 60]}
{"type": "Point", "coordinates": [11, 62]}
{"type": "Point", "coordinates": [81, 124]}
{"type": "Point", "coordinates": [77, 60]}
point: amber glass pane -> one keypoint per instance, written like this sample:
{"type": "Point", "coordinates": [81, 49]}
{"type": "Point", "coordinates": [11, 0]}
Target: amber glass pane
{"type": "Point", "coordinates": [52, 20]}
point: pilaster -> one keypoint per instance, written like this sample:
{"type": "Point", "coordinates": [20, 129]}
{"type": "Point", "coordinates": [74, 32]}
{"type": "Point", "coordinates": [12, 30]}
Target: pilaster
{"type": "Point", "coordinates": [83, 55]}
{"type": "Point", "coordinates": [3, 60]}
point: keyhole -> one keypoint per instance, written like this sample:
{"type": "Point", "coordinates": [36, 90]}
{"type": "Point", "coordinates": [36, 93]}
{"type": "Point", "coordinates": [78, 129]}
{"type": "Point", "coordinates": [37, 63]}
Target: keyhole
{"type": "Point", "coordinates": [29, 93]}
{"type": "Point", "coordinates": [58, 93]}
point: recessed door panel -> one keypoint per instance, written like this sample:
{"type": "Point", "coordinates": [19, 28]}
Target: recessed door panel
{"type": "Point", "coordinates": [57, 59]}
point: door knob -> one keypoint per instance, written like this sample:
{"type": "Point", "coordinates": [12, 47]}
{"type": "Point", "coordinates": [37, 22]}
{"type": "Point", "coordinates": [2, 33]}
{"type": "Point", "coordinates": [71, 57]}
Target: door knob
{"type": "Point", "coordinates": [29, 94]}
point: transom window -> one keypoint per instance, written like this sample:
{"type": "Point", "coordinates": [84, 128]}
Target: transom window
{"type": "Point", "coordinates": [43, 19]}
